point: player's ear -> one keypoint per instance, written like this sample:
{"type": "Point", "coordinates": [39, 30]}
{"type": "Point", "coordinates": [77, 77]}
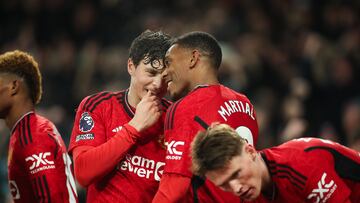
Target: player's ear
{"type": "Point", "coordinates": [251, 150]}
{"type": "Point", "coordinates": [195, 55]}
{"type": "Point", "coordinates": [14, 86]}
{"type": "Point", "coordinates": [131, 67]}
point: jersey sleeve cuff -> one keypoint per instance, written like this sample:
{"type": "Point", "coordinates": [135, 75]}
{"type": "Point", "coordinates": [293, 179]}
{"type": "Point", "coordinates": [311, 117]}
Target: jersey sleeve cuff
{"type": "Point", "coordinates": [132, 132]}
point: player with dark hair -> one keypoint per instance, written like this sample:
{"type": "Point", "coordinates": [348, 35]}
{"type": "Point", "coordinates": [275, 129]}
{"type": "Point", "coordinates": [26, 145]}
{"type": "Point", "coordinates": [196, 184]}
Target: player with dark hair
{"type": "Point", "coordinates": [300, 170]}
{"type": "Point", "coordinates": [117, 138]}
{"type": "Point", "coordinates": [38, 164]}
{"type": "Point", "coordinates": [192, 63]}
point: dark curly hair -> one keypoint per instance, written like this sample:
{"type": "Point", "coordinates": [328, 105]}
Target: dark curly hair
{"type": "Point", "coordinates": [150, 46]}
{"type": "Point", "coordinates": [23, 65]}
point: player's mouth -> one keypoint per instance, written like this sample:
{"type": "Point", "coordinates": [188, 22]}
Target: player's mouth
{"type": "Point", "coordinates": [246, 194]}
{"type": "Point", "coordinates": [158, 92]}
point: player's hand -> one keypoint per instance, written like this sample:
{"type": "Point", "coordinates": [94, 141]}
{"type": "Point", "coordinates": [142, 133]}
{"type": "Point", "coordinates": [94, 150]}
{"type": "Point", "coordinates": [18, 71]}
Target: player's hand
{"type": "Point", "coordinates": [148, 112]}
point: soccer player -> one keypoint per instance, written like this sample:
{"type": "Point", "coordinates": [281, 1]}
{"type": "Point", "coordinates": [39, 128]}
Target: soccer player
{"type": "Point", "coordinates": [117, 139]}
{"type": "Point", "coordinates": [300, 170]}
{"type": "Point", "coordinates": [192, 64]}
{"type": "Point", "coordinates": [38, 164]}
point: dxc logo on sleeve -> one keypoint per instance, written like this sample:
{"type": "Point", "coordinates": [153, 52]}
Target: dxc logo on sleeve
{"type": "Point", "coordinates": [39, 162]}
{"type": "Point", "coordinates": [174, 150]}
{"type": "Point", "coordinates": [324, 190]}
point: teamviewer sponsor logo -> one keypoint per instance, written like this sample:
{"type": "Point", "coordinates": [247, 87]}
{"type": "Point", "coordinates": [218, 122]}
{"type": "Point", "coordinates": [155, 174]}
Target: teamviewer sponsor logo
{"type": "Point", "coordinates": [174, 150]}
{"type": "Point", "coordinates": [324, 190]}
{"type": "Point", "coordinates": [143, 167]}
{"type": "Point", "coordinates": [40, 162]}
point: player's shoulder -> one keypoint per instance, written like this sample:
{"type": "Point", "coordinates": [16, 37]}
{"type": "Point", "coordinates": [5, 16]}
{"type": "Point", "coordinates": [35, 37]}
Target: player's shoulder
{"type": "Point", "coordinates": [296, 150]}
{"type": "Point", "coordinates": [94, 101]}
{"type": "Point", "coordinates": [213, 93]}
{"type": "Point", "coordinates": [287, 163]}
{"type": "Point", "coordinates": [37, 132]}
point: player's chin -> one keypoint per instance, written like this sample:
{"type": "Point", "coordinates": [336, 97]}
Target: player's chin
{"type": "Point", "coordinates": [251, 195]}
{"type": "Point", "coordinates": [255, 194]}
{"type": "Point", "coordinates": [175, 96]}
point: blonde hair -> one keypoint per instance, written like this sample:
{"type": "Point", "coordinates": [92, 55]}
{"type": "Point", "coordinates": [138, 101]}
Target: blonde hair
{"type": "Point", "coordinates": [214, 148]}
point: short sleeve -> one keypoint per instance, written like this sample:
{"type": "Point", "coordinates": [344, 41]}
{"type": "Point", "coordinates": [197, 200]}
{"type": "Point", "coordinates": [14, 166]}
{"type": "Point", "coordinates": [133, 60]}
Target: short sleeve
{"type": "Point", "coordinates": [178, 140]}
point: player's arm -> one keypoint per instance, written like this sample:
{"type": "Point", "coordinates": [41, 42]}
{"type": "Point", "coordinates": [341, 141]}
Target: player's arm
{"type": "Point", "coordinates": [45, 167]}
{"type": "Point", "coordinates": [175, 184]}
{"type": "Point", "coordinates": [93, 163]}
{"type": "Point", "coordinates": [173, 188]}
{"type": "Point", "coordinates": [324, 183]}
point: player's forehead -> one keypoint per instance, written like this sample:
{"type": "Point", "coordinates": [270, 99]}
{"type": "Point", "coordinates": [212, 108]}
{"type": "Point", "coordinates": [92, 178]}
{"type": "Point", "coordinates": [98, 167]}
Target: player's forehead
{"type": "Point", "coordinates": [226, 173]}
{"type": "Point", "coordinates": [173, 51]}
{"type": "Point", "coordinates": [155, 66]}
{"type": "Point", "coordinates": [219, 176]}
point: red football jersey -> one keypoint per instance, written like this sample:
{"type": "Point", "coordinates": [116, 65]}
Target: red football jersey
{"type": "Point", "coordinates": [38, 164]}
{"type": "Point", "coordinates": [199, 109]}
{"type": "Point", "coordinates": [136, 178]}
{"type": "Point", "coordinates": [314, 170]}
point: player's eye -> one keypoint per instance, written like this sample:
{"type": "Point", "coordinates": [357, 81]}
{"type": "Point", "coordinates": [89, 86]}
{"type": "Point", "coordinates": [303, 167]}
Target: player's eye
{"type": "Point", "coordinates": [152, 72]}
{"type": "Point", "coordinates": [167, 62]}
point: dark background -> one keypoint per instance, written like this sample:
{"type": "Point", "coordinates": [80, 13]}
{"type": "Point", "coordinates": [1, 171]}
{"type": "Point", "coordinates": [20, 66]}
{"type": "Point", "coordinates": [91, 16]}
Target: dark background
{"type": "Point", "coordinates": [297, 60]}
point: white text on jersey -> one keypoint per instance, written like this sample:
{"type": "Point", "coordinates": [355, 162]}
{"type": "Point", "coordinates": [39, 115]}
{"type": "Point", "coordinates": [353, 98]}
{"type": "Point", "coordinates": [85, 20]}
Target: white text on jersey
{"type": "Point", "coordinates": [142, 167]}
{"type": "Point", "coordinates": [232, 106]}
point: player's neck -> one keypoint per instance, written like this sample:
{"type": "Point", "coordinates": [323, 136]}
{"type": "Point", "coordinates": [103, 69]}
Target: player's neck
{"type": "Point", "coordinates": [203, 76]}
{"type": "Point", "coordinates": [17, 110]}
{"type": "Point", "coordinates": [268, 186]}
{"type": "Point", "coordinates": [133, 100]}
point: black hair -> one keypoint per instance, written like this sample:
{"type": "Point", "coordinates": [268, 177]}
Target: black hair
{"type": "Point", "coordinates": [150, 46]}
{"type": "Point", "coordinates": [203, 41]}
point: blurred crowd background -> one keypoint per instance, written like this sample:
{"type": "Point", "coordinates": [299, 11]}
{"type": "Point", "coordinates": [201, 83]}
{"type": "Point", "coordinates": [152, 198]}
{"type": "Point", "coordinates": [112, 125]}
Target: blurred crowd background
{"type": "Point", "coordinates": [297, 60]}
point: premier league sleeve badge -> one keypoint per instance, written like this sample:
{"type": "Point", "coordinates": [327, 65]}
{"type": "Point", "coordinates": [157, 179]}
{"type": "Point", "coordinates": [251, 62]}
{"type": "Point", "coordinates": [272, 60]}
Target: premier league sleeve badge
{"type": "Point", "coordinates": [86, 122]}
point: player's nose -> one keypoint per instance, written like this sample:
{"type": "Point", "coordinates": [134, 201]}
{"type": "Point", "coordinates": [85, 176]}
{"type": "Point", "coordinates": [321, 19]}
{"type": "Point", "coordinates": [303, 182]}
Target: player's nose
{"type": "Point", "coordinates": [235, 186]}
{"type": "Point", "coordinates": [157, 83]}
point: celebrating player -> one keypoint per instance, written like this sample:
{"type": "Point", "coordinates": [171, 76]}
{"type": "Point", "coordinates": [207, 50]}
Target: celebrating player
{"type": "Point", "coordinates": [38, 164]}
{"type": "Point", "coordinates": [301, 170]}
{"type": "Point", "coordinates": [192, 63]}
{"type": "Point", "coordinates": [118, 150]}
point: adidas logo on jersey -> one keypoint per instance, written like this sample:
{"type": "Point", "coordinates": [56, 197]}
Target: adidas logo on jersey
{"type": "Point", "coordinates": [117, 129]}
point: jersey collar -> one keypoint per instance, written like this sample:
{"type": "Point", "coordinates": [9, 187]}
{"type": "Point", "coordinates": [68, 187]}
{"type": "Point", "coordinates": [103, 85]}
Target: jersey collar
{"type": "Point", "coordinates": [18, 121]}
{"type": "Point", "coordinates": [129, 110]}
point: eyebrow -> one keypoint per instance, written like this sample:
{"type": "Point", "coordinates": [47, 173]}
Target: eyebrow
{"type": "Point", "coordinates": [154, 70]}
{"type": "Point", "coordinates": [234, 174]}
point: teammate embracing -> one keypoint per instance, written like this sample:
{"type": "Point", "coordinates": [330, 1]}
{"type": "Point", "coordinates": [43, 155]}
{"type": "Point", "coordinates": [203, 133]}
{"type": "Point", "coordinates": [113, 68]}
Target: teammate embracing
{"type": "Point", "coordinates": [192, 63]}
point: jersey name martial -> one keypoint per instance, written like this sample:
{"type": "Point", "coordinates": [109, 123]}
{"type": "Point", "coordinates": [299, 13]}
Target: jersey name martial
{"type": "Point", "coordinates": [232, 106]}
